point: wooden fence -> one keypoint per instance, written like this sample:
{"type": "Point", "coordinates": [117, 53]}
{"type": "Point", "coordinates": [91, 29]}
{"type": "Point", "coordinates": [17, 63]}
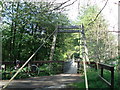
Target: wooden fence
{"type": "Point", "coordinates": [111, 69]}
{"type": "Point", "coordinates": [102, 67]}
{"type": "Point", "coordinates": [34, 63]}
{"type": "Point", "coordinates": [92, 64]}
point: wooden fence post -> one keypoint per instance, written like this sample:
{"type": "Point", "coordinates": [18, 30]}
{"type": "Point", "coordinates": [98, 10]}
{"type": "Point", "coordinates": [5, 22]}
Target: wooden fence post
{"type": "Point", "coordinates": [101, 71]}
{"type": "Point", "coordinates": [112, 78]}
{"type": "Point", "coordinates": [78, 69]}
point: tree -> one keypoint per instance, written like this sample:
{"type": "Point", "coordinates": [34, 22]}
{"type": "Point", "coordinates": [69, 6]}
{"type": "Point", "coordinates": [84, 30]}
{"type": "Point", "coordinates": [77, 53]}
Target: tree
{"type": "Point", "coordinates": [98, 43]}
{"type": "Point", "coordinates": [23, 23]}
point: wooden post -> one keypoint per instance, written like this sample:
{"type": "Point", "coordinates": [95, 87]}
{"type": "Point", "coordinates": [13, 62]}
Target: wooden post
{"type": "Point", "coordinates": [101, 71]}
{"type": "Point", "coordinates": [112, 78]}
{"type": "Point", "coordinates": [78, 67]}
{"type": "Point", "coordinates": [85, 45]}
{"type": "Point", "coordinates": [84, 56]}
{"type": "Point", "coordinates": [62, 67]}
{"type": "Point", "coordinates": [53, 45]}
{"type": "Point", "coordinates": [1, 47]}
{"type": "Point", "coordinates": [97, 66]}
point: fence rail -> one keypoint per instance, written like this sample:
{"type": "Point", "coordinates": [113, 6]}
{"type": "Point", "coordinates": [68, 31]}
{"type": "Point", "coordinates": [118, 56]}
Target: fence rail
{"type": "Point", "coordinates": [111, 69]}
{"type": "Point", "coordinates": [102, 67]}
{"type": "Point", "coordinates": [32, 62]}
{"type": "Point", "coordinates": [95, 65]}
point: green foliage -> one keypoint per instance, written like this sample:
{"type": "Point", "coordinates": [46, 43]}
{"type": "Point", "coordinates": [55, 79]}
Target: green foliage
{"type": "Point", "coordinates": [95, 82]}
{"type": "Point", "coordinates": [42, 70]}
{"type": "Point", "coordinates": [1, 4]}
{"type": "Point", "coordinates": [22, 27]}
{"type": "Point", "coordinates": [64, 46]}
{"type": "Point", "coordinates": [114, 62]}
{"type": "Point", "coordinates": [80, 85]}
{"type": "Point", "coordinates": [99, 41]}
{"type": "Point", "coordinates": [88, 15]}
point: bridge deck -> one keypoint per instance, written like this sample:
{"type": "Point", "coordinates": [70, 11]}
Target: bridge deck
{"type": "Point", "coordinates": [56, 81]}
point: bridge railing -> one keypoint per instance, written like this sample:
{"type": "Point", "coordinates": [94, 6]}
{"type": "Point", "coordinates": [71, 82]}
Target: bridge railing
{"type": "Point", "coordinates": [102, 67]}
{"type": "Point", "coordinates": [32, 63]}
{"type": "Point", "coordinates": [109, 68]}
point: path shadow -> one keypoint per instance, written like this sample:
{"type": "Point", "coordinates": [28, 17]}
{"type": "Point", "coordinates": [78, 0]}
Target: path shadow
{"type": "Point", "coordinates": [44, 82]}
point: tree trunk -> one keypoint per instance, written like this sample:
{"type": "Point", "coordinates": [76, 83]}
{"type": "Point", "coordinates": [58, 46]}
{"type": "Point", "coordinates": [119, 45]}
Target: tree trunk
{"type": "Point", "coordinates": [11, 39]}
{"type": "Point", "coordinates": [14, 34]}
{"type": "Point", "coordinates": [118, 60]}
{"type": "Point", "coordinates": [20, 44]}
{"type": "Point", "coordinates": [53, 45]}
{"type": "Point", "coordinates": [36, 38]}
{"type": "Point", "coordinates": [119, 71]}
{"type": "Point", "coordinates": [119, 44]}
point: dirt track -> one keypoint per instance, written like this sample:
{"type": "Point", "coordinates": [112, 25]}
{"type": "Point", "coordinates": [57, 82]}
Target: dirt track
{"type": "Point", "coordinates": [43, 82]}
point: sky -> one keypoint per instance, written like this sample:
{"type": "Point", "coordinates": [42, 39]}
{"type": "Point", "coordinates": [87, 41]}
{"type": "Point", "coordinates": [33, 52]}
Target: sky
{"type": "Point", "coordinates": [110, 12]}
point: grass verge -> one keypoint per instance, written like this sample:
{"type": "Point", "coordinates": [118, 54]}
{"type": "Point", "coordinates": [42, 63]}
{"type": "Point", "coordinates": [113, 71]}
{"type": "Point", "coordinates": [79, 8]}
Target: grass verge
{"type": "Point", "coordinates": [94, 80]}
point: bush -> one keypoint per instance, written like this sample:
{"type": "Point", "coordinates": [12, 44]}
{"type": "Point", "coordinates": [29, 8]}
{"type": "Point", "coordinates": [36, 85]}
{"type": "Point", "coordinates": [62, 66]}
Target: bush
{"type": "Point", "coordinates": [43, 70]}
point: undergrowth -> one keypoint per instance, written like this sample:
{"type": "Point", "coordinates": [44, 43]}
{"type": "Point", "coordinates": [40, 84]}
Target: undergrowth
{"type": "Point", "coordinates": [94, 80]}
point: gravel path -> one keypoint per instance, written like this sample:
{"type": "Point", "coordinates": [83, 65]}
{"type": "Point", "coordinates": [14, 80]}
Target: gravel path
{"type": "Point", "coordinates": [43, 82]}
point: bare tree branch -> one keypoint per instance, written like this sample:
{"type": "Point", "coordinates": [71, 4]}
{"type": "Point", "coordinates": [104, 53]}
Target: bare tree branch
{"type": "Point", "coordinates": [60, 5]}
{"type": "Point", "coordinates": [98, 13]}
{"type": "Point", "coordinates": [51, 3]}
{"type": "Point", "coordinates": [51, 6]}
{"type": "Point", "coordinates": [68, 4]}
